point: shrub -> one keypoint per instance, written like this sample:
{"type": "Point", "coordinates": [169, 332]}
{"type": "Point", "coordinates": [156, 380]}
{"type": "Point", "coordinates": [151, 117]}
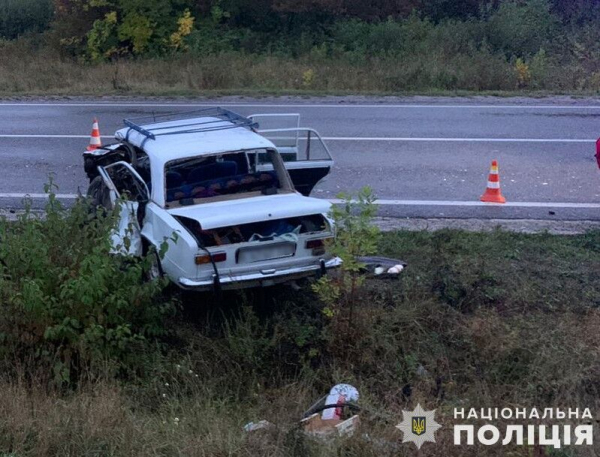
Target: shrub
{"type": "Point", "coordinates": [388, 38]}
{"type": "Point", "coordinates": [355, 236]}
{"type": "Point", "coordinates": [66, 304]}
{"type": "Point", "coordinates": [522, 28]}
{"type": "Point", "coordinates": [453, 37]}
{"type": "Point", "coordinates": [584, 44]}
{"type": "Point", "coordinates": [523, 73]}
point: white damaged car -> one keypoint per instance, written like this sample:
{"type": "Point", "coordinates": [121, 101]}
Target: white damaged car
{"type": "Point", "coordinates": [223, 193]}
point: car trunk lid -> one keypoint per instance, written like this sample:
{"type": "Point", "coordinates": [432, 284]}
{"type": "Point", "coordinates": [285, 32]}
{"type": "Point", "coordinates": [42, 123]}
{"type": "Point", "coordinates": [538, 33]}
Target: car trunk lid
{"type": "Point", "coordinates": [248, 210]}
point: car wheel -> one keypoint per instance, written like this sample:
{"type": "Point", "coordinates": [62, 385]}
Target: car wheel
{"type": "Point", "coordinates": [154, 271]}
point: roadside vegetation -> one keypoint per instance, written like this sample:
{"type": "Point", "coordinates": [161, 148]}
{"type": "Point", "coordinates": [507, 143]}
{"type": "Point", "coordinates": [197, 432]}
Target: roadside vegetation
{"type": "Point", "coordinates": [187, 47]}
{"type": "Point", "coordinates": [96, 361]}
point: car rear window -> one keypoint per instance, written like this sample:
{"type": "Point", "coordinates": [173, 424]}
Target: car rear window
{"type": "Point", "coordinates": [214, 176]}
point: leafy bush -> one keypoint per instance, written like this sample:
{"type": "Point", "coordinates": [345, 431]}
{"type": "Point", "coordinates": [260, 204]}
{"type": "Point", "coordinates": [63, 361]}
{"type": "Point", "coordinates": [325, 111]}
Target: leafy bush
{"type": "Point", "coordinates": [22, 16]}
{"type": "Point", "coordinates": [389, 38]}
{"type": "Point", "coordinates": [355, 236]}
{"type": "Point", "coordinates": [66, 303]}
{"type": "Point", "coordinates": [521, 29]}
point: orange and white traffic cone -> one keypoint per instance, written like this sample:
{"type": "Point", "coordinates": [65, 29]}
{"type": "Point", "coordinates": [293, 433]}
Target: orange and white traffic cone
{"type": "Point", "coordinates": [95, 141]}
{"type": "Point", "coordinates": [492, 193]}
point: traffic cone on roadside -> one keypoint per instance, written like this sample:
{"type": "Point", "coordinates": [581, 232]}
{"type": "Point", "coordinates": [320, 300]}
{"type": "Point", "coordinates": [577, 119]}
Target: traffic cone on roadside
{"type": "Point", "coordinates": [95, 141]}
{"type": "Point", "coordinates": [492, 193]}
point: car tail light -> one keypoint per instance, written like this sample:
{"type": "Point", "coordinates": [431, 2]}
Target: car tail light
{"type": "Point", "coordinates": [216, 257]}
{"type": "Point", "coordinates": [317, 246]}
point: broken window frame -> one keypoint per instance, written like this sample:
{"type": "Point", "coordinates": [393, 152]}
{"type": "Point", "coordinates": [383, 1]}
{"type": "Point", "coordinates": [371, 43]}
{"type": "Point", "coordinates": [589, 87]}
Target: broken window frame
{"type": "Point", "coordinates": [144, 192]}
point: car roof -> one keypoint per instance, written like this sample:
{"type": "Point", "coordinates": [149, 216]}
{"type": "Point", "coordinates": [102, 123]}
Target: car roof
{"type": "Point", "coordinates": [175, 141]}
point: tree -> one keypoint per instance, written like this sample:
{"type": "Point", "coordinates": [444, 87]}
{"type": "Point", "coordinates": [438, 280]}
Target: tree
{"type": "Point", "coordinates": [102, 29]}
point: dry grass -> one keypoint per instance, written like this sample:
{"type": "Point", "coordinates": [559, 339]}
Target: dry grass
{"type": "Point", "coordinates": [105, 419]}
{"type": "Point", "coordinates": [194, 419]}
{"type": "Point", "coordinates": [29, 70]}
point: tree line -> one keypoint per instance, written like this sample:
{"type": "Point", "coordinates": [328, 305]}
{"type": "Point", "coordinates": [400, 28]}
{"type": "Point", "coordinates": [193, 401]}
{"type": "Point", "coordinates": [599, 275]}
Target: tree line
{"type": "Point", "coordinates": [102, 30]}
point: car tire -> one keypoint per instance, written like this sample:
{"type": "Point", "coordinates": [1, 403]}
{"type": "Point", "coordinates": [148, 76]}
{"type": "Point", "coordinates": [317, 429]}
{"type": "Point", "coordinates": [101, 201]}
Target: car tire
{"type": "Point", "coordinates": [155, 271]}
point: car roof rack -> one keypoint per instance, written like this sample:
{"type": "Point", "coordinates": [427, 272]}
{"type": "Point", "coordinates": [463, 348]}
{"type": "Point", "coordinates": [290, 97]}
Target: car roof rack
{"type": "Point", "coordinates": [225, 119]}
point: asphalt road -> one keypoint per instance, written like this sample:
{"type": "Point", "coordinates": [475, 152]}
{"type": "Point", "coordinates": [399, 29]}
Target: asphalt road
{"type": "Point", "coordinates": [426, 157]}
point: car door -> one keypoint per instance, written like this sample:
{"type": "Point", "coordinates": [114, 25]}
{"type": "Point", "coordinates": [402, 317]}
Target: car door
{"type": "Point", "coordinates": [306, 156]}
{"type": "Point", "coordinates": [310, 161]}
{"type": "Point", "coordinates": [130, 194]}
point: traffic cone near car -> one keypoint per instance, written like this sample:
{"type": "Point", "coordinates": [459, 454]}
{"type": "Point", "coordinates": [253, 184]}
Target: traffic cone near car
{"type": "Point", "coordinates": [95, 141]}
{"type": "Point", "coordinates": [492, 193]}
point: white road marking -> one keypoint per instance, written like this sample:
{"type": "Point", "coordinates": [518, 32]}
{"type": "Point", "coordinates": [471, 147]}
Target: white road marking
{"type": "Point", "coordinates": [386, 202]}
{"type": "Point", "coordinates": [37, 196]}
{"type": "Point", "coordinates": [464, 140]}
{"type": "Point", "coordinates": [372, 139]}
{"type": "Point", "coordinates": [300, 105]}
{"type": "Point", "coordinates": [42, 136]}
{"type": "Point", "coordinates": [478, 203]}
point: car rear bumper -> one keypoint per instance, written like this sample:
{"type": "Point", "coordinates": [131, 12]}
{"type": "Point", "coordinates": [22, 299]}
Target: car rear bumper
{"type": "Point", "coordinates": [260, 279]}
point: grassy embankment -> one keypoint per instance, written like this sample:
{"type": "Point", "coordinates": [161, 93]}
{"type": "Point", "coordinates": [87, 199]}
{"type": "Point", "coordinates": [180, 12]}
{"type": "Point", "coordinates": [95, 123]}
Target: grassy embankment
{"type": "Point", "coordinates": [70, 48]}
{"type": "Point", "coordinates": [45, 73]}
{"type": "Point", "coordinates": [444, 59]}
{"type": "Point", "coordinates": [476, 320]}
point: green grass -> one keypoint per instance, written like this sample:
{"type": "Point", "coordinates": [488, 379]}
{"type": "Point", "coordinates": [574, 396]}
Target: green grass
{"type": "Point", "coordinates": [497, 320]}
